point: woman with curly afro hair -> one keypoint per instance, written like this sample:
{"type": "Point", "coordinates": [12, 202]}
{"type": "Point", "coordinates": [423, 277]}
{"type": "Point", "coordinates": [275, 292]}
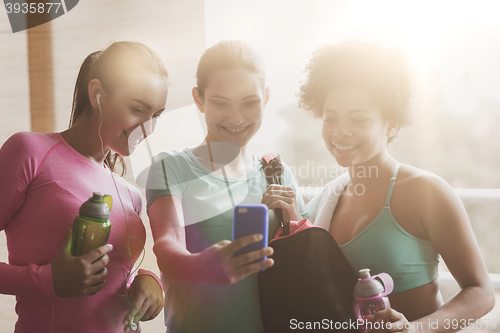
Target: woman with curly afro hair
{"type": "Point", "coordinates": [387, 216]}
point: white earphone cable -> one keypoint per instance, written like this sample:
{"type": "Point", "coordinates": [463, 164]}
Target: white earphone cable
{"type": "Point", "coordinates": [129, 252]}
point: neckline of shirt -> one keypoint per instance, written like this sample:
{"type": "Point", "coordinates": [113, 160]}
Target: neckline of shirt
{"type": "Point", "coordinates": [256, 167]}
{"type": "Point", "coordinates": [80, 156]}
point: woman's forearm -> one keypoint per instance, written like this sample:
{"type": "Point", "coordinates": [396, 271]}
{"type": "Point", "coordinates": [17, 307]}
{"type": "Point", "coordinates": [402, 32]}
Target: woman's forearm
{"type": "Point", "coordinates": [174, 260]}
{"type": "Point", "coordinates": [464, 308]}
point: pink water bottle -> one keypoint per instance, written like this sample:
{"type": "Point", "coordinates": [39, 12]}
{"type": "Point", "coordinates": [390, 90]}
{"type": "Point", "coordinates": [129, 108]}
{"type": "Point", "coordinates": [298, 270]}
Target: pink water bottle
{"type": "Point", "coordinates": [370, 296]}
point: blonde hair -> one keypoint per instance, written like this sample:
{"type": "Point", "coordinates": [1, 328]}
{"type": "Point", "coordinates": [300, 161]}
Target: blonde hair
{"type": "Point", "coordinates": [228, 55]}
{"type": "Point", "coordinates": [109, 66]}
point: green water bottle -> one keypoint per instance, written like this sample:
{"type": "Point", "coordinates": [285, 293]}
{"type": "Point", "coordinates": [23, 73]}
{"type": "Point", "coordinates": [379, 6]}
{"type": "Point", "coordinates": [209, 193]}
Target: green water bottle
{"type": "Point", "coordinates": [91, 228]}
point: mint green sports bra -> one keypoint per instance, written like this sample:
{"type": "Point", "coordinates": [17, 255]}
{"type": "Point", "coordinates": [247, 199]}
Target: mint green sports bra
{"type": "Point", "coordinates": [384, 246]}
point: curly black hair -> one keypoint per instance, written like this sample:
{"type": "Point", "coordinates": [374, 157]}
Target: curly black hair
{"type": "Point", "coordinates": [384, 72]}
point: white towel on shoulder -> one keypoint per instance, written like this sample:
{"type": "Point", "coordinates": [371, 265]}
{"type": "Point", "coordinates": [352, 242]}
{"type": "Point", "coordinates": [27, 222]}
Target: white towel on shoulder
{"type": "Point", "coordinates": [322, 206]}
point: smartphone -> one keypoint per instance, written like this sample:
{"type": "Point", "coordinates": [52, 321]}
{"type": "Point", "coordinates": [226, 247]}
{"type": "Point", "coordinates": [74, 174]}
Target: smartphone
{"type": "Point", "coordinates": [251, 219]}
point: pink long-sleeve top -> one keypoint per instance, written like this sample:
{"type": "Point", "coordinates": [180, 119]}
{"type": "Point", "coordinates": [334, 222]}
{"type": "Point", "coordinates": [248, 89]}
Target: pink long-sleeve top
{"type": "Point", "coordinates": [43, 182]}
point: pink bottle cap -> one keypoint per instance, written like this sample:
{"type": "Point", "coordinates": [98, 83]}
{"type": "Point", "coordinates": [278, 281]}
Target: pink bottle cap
{"type": "Point", "coordinates": [368, 286]}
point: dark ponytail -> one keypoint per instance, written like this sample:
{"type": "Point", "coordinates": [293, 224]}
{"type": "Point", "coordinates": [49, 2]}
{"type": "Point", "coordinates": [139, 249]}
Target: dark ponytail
{"type": "Point", "coordinates": [108, 67]}
{"type": "Point", "coordinates": [81, 101]}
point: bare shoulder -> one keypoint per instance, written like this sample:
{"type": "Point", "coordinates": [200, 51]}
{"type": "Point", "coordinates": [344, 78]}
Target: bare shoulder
{"type": "Point", "coordinates": [429, 194]}
{"type": "Point", "coordinates": [422, 183]}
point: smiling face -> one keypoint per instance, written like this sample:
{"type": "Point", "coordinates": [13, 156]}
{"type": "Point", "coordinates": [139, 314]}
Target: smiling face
{"type": "Point", "coordinates": [233, 103]}
{"type": "Point", "coordinates": [354, 129]}
{"type": "Point", "coordinates": [130, 111]}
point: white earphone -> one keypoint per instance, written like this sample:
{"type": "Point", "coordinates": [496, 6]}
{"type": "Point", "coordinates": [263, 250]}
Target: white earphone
{"type": "Point", "coordinates": [98, 97]}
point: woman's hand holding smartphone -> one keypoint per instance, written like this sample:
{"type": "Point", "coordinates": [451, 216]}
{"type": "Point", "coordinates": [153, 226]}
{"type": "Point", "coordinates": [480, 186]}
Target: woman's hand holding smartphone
{"type": "Point", "coordinates": [227, 262]}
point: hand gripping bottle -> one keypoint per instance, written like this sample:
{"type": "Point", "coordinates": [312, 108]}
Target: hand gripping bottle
{"type": "Point", "coordinates": [370, 296]}
{"type": "Point", "coordinates": [91, 228]}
